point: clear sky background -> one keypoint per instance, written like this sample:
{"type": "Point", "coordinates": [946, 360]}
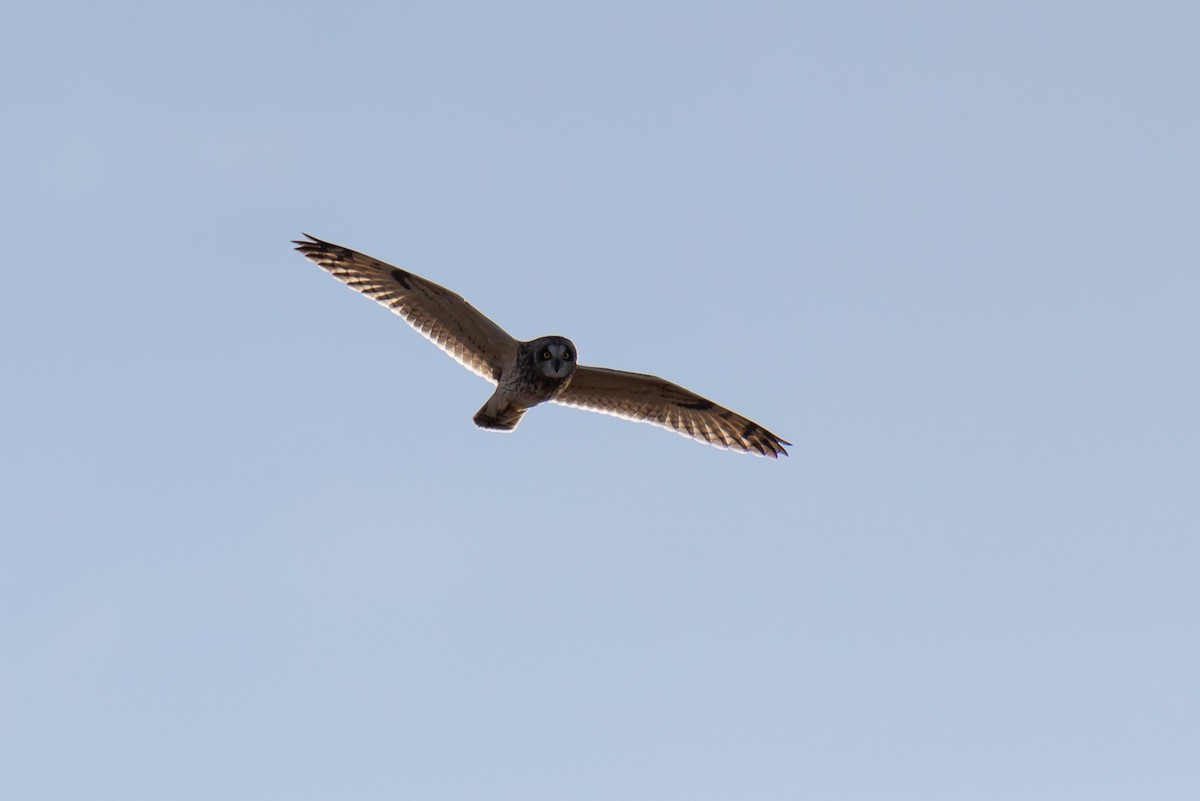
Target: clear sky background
{"type": "Point", "coordinates": [253, 546]}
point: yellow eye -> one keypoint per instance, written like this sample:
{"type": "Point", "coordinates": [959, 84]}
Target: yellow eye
{"type": "Point", "coordinates": [545, 354]}
{"type": "Point", "coordinates": [567, 356]}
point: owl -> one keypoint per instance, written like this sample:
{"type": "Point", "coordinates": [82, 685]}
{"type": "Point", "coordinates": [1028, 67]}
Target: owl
{"type": "Point", "coordinates": [540, 370]}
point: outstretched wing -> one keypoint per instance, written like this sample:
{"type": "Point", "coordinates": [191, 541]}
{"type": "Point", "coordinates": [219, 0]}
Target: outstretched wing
{"type": "Point", "coordinates": [649, 399]}
{"type": "Point", "coordinates": [443, 317]}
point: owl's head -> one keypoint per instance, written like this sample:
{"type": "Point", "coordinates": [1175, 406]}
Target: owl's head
{"type": "Point", "coordinates": [554, 357]}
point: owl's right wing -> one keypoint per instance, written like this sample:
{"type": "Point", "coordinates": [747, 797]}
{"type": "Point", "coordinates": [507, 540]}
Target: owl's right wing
{"type": "Point", "coordinates": [650, 399]}
{"type": "Point", "coordinates": [441, 316]}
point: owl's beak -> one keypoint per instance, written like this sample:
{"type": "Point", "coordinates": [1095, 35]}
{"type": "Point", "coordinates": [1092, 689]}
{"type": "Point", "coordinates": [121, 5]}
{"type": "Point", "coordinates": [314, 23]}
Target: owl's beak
{"type": "Point", "coordinates": [557, 365]}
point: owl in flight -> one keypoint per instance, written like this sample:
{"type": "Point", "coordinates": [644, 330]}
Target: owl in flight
{"type": "Point", "coordinates": [543, 369]}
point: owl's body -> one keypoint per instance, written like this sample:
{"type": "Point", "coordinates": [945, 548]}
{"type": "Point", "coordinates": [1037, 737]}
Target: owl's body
{"type": "Point", "coordinates": [540, 370]}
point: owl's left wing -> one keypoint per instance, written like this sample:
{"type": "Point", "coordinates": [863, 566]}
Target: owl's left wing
{"type": "Point", "coordinates": [649, 399]}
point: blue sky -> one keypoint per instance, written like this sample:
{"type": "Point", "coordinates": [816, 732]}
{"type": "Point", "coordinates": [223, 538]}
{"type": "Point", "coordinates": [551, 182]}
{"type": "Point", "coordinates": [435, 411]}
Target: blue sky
{"type": "Point", "coordinates": [253, 546]}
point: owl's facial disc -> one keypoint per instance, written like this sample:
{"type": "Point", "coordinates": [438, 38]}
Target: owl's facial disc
{"type": "Point", "coordinates": [556, 358]}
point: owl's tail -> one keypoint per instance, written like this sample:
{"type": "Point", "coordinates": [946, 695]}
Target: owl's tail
{"type": "Point", "coordinates": [499, 415]}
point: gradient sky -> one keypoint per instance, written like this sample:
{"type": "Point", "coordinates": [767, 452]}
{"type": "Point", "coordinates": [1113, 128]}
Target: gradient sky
{"type": "Point", "coordinates": [253, 546]}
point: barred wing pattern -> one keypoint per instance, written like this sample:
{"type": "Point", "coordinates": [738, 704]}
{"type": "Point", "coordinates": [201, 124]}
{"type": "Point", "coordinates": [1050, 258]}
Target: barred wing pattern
{"type": "Point", "coordinates": [649, 399]}
{"type": "Point", "coordinates": [443, 317]}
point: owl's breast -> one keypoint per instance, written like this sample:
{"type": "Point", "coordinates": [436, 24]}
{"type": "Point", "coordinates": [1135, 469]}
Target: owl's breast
{"type": "Point", "coordinates": [530, 386]}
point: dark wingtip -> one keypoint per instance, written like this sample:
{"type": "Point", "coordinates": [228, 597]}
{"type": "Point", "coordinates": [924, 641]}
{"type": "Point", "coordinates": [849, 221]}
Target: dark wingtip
{"type": "Point", "coordinates": [773, 446]}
